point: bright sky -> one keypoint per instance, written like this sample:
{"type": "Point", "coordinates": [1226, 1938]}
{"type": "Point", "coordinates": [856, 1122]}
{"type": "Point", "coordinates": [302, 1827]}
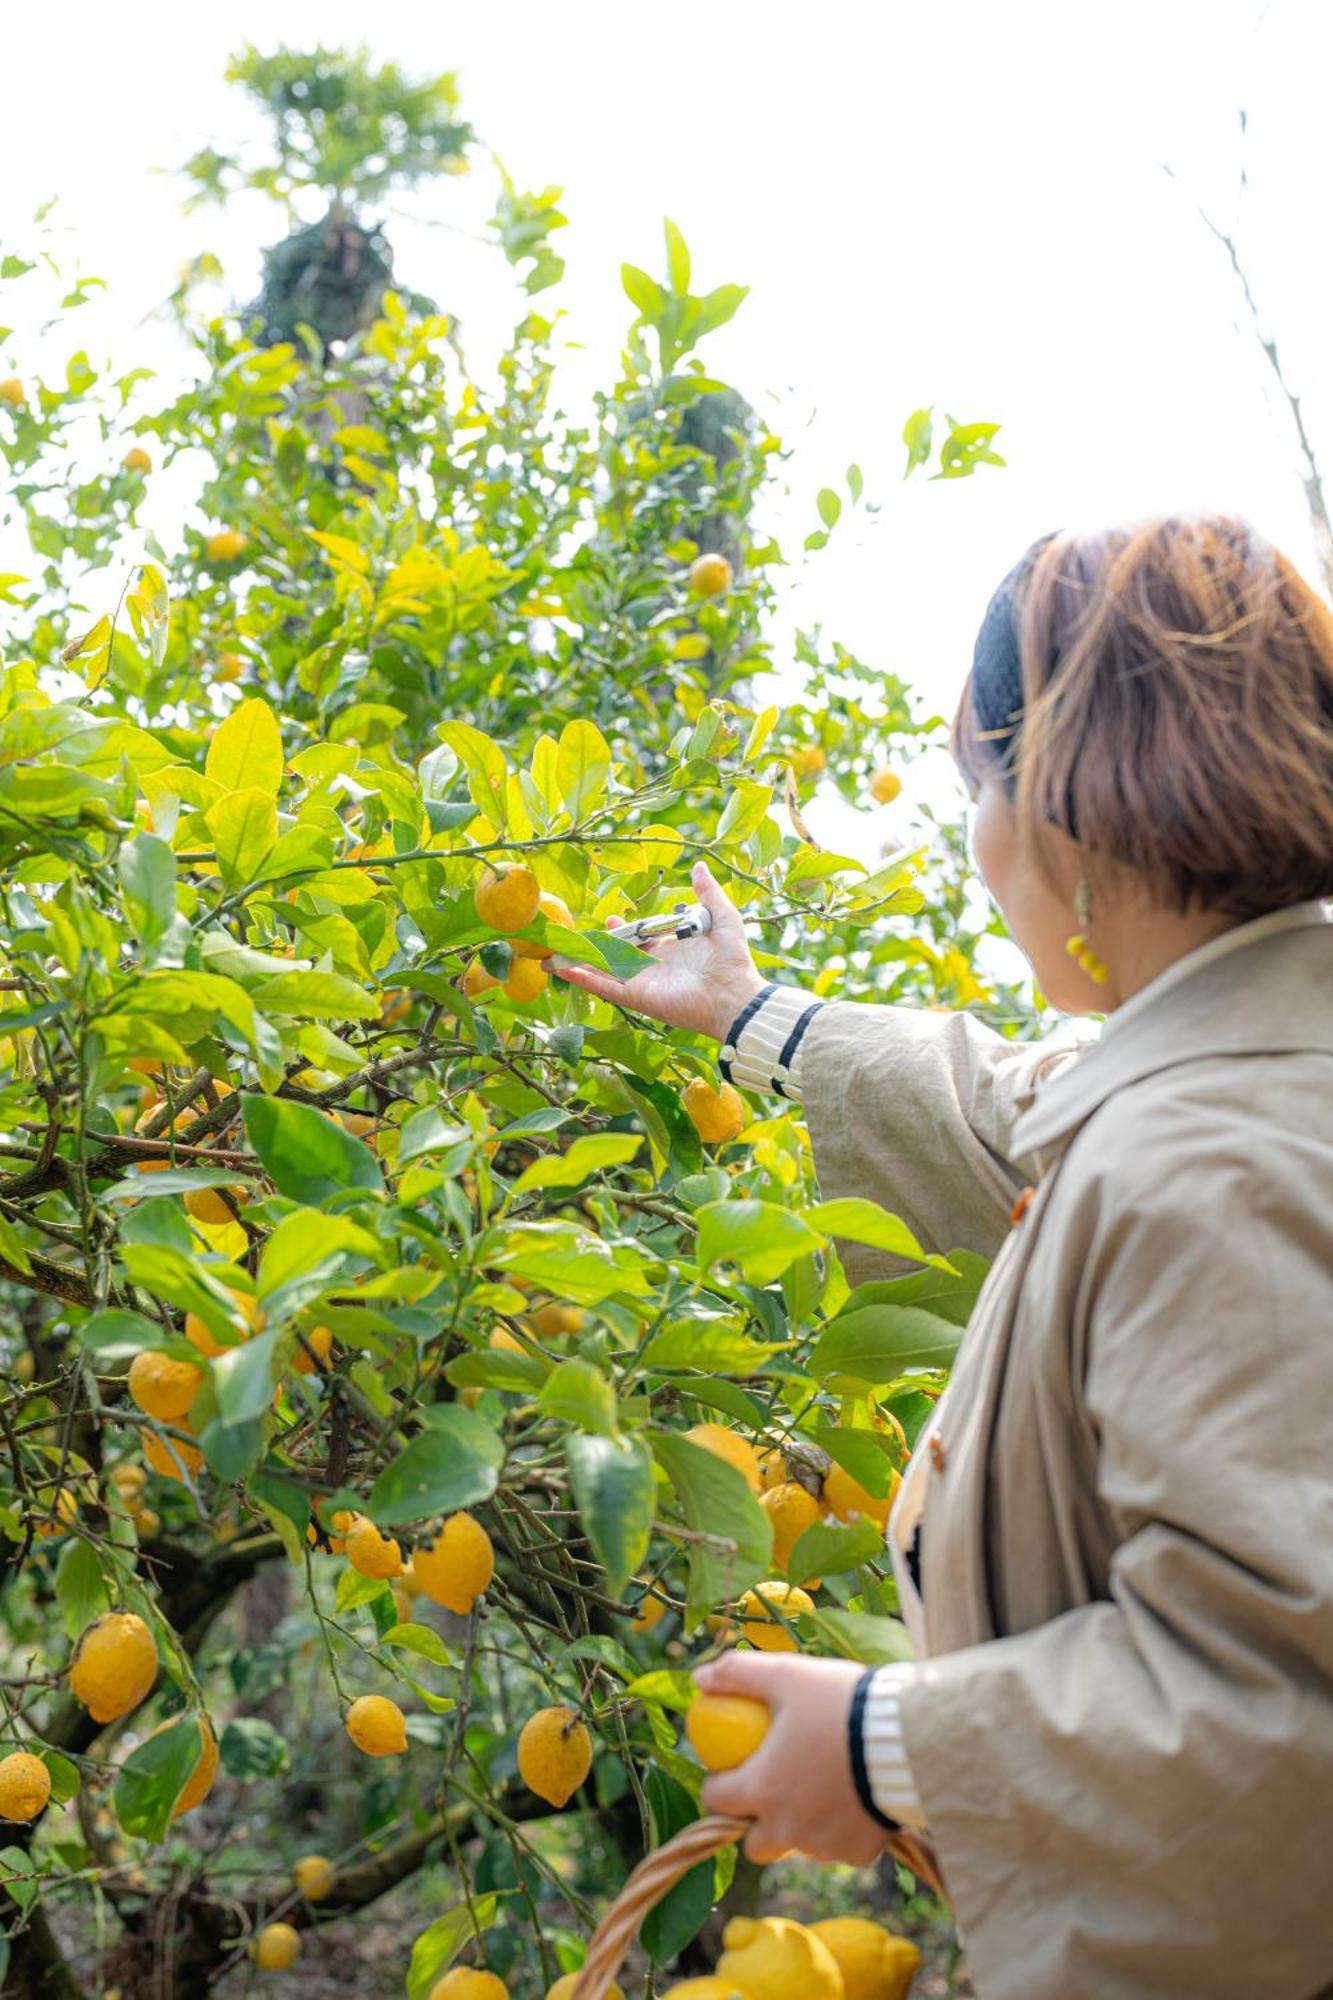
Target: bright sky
{"type": "Point", "coordinates": [952, 201]}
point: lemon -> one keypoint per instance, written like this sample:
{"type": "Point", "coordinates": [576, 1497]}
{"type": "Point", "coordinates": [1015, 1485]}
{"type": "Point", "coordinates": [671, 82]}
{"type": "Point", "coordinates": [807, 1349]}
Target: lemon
{"type": "Point", "coordinates": [874, 1964]}
{"type": "Point", "coordinates": [885, 786]}
{"type": "Point", "coordinates": [505, 1342]}
{"type": "Point", "coordinates": [718, 1116]}
{"type": "Point", "coordinates": [554, 1754]}
{"type": "Point", "coordinates": [708, 1988]}
{"type": "Point", "coordinates": [246, 1307]}
{"type": "Point", "coordinates": [729, 1445]}
{"type": "Point", "coordinates": [464, 1983]}
{"type": "Point", "coordinates": [162, 1387]}
{"type": "Point", "coordinates": [200, 1781]}
{"type": "Point", "coordinates": [402, 1604]}
{"type": "Point", "coordinates": [772, 1469]}
{"type": "Point", "coordinates": [555, 911]}
{"type": "Point", "coordinates": [12, 392]}
{"type": "Point", "coordinates": [128, 1480]}
{"type": "Point", "coordinates": [375, 1724]}
{"type": "Point", "coordinates": [230, 667]}
{"type": "Point", "coordinates": [320, 1341]}
{"type": "Point", "coordinates": [772, 1958]}
{"type": "Point", "coordinates": [710, 575]}
{"type": "Point", "coordinates": [554, 1319]}
{"type": "Point", "coordinates": [225, 545]}
{"type": "Point", "coordinates": [168, 1456]}
{"type": "Point", "coordinates": [760, 1621]}
{"type": "Point", "coordinates": [476, 979]}
{"type": "Point", "coordinates": [409, 1583]}
{"type": "Point", "coordinates": [792, 1510]}
{"type": "Point", "coordinates": [113, 1665]}
{"type": "Point", "coordinates": [208, 1205]}
{"type": "Point", "coordinates": [25, 1786]}
{"type": "Point", "coordinates": [649, 1615]}
{"type": "Point", "coordinates": [809, 761]}
{"type": "Point", "coordinates": [564, 1987]}
{"type": "Point", "coordinates": [456, 1568]}
{"type": "Point", "coordinates": [371, 1553]}
{"type": "Point", "coordinates": [276, 1947]}
{"type": "Point", "coordinates": [136, 459]}
{"type": "Point", "coordinates": [314, 1877]}
{"type": "Point", "coordinates": [507, 899]}
{"type": "Point", "coordinates": [146, 1522]}
{"type": "Point", "coordinates": [57, 1514]}
{"type": "Point", "coordinates": [846, 1497]}
{"type": "Point", "coordinates": [527, 978]}
{"type": "Point", "coordinates": [725, 1729]}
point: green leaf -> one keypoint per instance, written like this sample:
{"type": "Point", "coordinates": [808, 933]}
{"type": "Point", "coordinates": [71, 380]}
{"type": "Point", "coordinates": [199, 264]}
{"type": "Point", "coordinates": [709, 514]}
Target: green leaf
{"type": "Point", "coordinates": [718, 1504]}
{"type": "Point", "coordinates": [877, 1343]}
{"type": "Point", "coordinates": [582, 761]}
{"type": "Point", "coordinates": [584, 1157]}
{"type": "Point", "coordinates": [420, 1639]}
{"type": "Point", "coordinates": [917, 433]}
{"type": "Point", "coordinates": [244, 1379]}
{"type": "Point", "coordinates": [81, 1590]}
{"type": "Point", "coordinates": [435, 1949]}
{"type": "Point", "coordinates": [856, 1635]}
{"type": "Point", "coordinates": [245, 751]}
{"type": "Point", "coordinates": [153, 1777]}
{"type": "Point", "coordinates": [718, 306]}
{"type": "Point", "coordinates": [244, 827]}
{"type": "Point", "coordinates": [252, 1748]}
{"type": "Point", "coordinates": [306, 1242]}
{"type": "Point", "coordinates": [429, 1131]}
{"type": "Point", "coordinates": [644, 293]}
{"type": "Point", "coordinates": [232, 1451]}
{"type": "Point", "coordinates": [678, 258]}
{"type": "Point", "coordinates": [579, 1393]}
{"type": "Point", "coordinates": [682, 1912]}
{"type": "Point", "coordinates": [307, 1154]}
{"type": "Point", "coordinates": [615, 1491]}
{"type": "Point", "coordinates": [862, 1221]}
{"type": "Point", "coordinates": [829, 505]}
{"type": "Point", "coordinates": [829, 1547]}
{"type": "Point", "coordinates": [17, 1870]}
{"type": "Point", "coordinates": [147, 869]}
{"type": "Point", "coordinates": [722, 1350]}
{"type": "Point", "coordinates": [316, 996]}
{"type": "Point", "coordinates": [872, 1457]}
{"type": "Point", "coordinates": [760, 1237]}
{"type": "Point", "coordinates": [454, 1462]}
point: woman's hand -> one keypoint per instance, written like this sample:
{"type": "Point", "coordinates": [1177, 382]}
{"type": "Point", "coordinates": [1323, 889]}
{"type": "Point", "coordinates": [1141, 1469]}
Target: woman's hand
{"type": "Point", "coordinates": [697, 983]}
{"type": "Point", "coordinates": [797, 1787]}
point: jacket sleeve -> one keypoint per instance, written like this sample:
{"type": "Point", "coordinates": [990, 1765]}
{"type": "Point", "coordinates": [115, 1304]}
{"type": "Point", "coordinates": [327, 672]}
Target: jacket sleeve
{"type": "Point", "coordinates": [1136, 1799]}
{"type": "Point", "coordinates": [916, 1110]}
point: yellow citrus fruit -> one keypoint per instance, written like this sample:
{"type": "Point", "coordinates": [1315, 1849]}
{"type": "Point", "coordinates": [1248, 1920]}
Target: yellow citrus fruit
{"type": "Point", "coordinates": [791, 1510]}
{"type": "Point", "coordinates": [649, 1616]}
{"type": "Point", "coordinates": [556, 911]}
{"type": "Point", "coordinates": [554, 1319]}
{"type": "Point", "coordinates": [470, 1396]}
{"type": "Point", "coordinates": [507, 898]}
{"type": "Point", "coordinates": [209, 1205]}
{"type": "Point", "coordinates": [409, 1582]}
{"type": "Point", "coordinates": [707, 1988]}
{"type": "Point", "coordinates": [314, 1877]}
{"type": "Point", "coordinates": [772, 1469]}
{"type": "Point", "coordinates": [128, 1480]}
{"type": "Point", "coordinates": [376, 1725]}
{"type": "Point", "coordinates": [198, 1334]}
{"type": "Point", "coordinates": [136, 459]}
{"type": "Point", "coordinates": [12, 392]}
{"type": "Point", "coordinates": [874, 1964]}
{"type": "Point", "coordinates": [25, 1786]}
{"type": "Point", "coordinates": [554, 1754]}
{"type": "Point", "coordinates": [885, 786]}
{"type": "Point", "coordinates": [200, 1781]}
{"type": "Point", "coordinates": [276, 1947]}
{"type": "Point", "coordinates": [168, 1455]}
{"type": "Point", "coordinates": [846, 1497]}
{"type": "Point", "coordinates": [762, 1610]}
{"type": "Point", "coordinates": [477, 980]}
{"type": "Point", "coordinates": [163, 1388]}
{"type": "Point", "coordinates": [466, 1983]}
{"type": "Point", "coordinates": [225, 545]}
{"type": "Point", "coordinates": [320, 1339]}
{"type": "Point", "coordinates": [230, 667]}
{"type": "Point", "coordinates": [710, 575]}
{"type": "Point", "coordinates": [505, 1342]}
{"type": "Point", "coordinates": [113, 1665]}
{"type": "Point", "coordinates": [809, 761]}
{"type": "Point", "coordinates": [527, 979]}
{"type": "Point", "coordinates": [146, 1522]}
{"type": "Point", "coordinates": [564, 1987]}
{"type": "Point", "coordinates": [725, 1729]}
{"type": "Point", "coordinates": [456, 1568]}
{"type": "Point", "coordinates": [728, 1445]}
{"type": "Point", "coordinates": [717, 1115]}
{"type": "Point", "coordinates": [402, 1605]}
{"type": "Point", "coordinates": [56, 1515]}
{"type": "Point", "coordinates": [371, 1553]}
{"type": "Point", "coordinates": [772, 1958]}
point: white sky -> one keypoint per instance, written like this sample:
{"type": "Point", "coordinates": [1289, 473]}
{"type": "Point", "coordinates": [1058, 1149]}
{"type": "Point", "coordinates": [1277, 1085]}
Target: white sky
{"type": "Point", "coordinates": [954, 201]}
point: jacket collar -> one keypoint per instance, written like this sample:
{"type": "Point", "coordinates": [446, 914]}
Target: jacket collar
{"type": "Point", "coordinates": [1264, 988]}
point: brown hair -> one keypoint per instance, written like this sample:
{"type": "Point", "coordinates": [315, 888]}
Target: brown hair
{"type": "Point", "coordinates": [1177, 713]}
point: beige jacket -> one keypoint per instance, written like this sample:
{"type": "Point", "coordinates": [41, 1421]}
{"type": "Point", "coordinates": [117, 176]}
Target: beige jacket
{"type": "Point", "coordinates": [1123, 1735]}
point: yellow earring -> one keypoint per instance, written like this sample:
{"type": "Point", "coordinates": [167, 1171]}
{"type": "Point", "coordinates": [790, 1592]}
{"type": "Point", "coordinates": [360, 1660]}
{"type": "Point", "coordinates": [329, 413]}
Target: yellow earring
{"type": "Point", "coordinates": [1077, 943]}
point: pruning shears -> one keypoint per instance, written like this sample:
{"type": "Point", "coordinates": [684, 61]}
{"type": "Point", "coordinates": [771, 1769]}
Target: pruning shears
{"type": "Point", "coordinates": [685, 921]}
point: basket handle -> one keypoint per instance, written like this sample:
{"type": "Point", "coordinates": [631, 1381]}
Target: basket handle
{"type": "Point", "coordinates": [660, 1871]}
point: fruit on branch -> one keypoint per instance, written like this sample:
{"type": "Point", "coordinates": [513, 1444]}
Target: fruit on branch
{"type": "Point", "coordinates": [225, 545]}
{"type": "Point", "coordinates": [320, 1342]}
{"type": "Point", "coordinates": [846, 1497]}
{"type": "Point", "coordinates": [200, 1781]}
{"type": "Point", "coordinates": [113, 1666]}
{"type": "Point", "coordinates": [161, 1387]}
{"type": "Point", "coordinates": [171, 1458]}
{"type": "Point", "coordinates": [717, 1115]}
{"type": "Point", "coordinates": [556, 911]}
{"type": "Point", "coordinates": [730, 1446]}
{"type": "Point", "coordinates": [210, 1204]}
{"type": "Point", "coordinates": [554, 1754]}
{"type": "Point", "coordinates": [314, 1877]}
{"type": "Point", "coordinates": [710, 575]}
{"type": "Point", "coordinates": [527, 979]}
{"type": "Point", "coordinates": [136, 459]}
{"type": "Point", "coordinates": [199, 1334]}
{"type": "Point", "coordinates": [276, 1947]}
{"type": "Point", "coordinates": [885, 786]}
{"type": "Point", "coordinates": [376, 1725]}
{"type": "Point", "coordinates": [725, 1729]}
{"type": "Point", "coordinates": [456, 1568]}
{"type": "Point", "coordinates": [371, 1553]}
{"type": "Point", "coordinates": [791, 1510]}
{"type": "Point", "coordinates": [25, 1786]}
{"type": "Point", "coordinates": [507, 899]}
{"type": "Point", "coordinates": [762, 1611]}
{"type": "Point", "coordinates": [466, 1982]}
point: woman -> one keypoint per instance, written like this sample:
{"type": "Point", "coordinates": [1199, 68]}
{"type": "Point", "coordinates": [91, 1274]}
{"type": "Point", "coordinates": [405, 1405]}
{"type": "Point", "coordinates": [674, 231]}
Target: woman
{"type": "Point", "coordinates": [1114, 1548]}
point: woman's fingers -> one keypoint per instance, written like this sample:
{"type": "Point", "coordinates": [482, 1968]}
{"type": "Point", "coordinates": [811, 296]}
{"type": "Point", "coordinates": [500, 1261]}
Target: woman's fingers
{"type": "Point", "coordinates": [589, 980]}
{"type": "Point", "coordinates": [734, 1672]}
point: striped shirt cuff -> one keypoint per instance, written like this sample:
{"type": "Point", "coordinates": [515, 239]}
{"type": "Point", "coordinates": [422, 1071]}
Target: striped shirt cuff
{"type": "Point", "coordinates": [766, 1052]}
{"type": "Point", "coordinates": [888, 1772]}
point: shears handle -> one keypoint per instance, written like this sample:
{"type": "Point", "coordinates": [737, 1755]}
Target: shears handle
{"type": "Point", "coordinates": [685, 921]}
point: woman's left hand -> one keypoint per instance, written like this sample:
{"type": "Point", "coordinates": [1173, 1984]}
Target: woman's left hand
{"type": "Point", "coordinates": [797, 1787]}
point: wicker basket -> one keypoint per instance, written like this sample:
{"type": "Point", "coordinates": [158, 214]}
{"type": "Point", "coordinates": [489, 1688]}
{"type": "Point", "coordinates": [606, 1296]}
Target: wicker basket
{"type": "Point", "coordinates": [659, 1872]}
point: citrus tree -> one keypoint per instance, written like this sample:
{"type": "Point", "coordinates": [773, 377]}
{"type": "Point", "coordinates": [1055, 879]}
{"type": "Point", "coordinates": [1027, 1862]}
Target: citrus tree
{"type": "Point", "coordinates": [414, 1363]}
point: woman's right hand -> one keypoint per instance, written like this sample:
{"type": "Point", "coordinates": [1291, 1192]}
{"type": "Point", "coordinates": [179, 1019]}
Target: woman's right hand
{"type": "Point", "coordinates": [696, 983]}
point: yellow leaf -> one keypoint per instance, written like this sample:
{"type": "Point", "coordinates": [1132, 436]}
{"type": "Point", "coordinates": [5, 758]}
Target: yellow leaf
{"type": "Point", "coordinates": [341, 550]}
{"type": "Point", "coordinates": [583, 759]}
{"type": "Point", "coordinates": [246, 750]}
{"type": "Point", "coordinates": [544, 770]}
{"type": "Point", "coordinates": [760, 731]}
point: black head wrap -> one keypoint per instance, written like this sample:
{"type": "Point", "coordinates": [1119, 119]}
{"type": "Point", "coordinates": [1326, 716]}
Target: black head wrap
{"type": "Point", "coordinates": [997, 669]}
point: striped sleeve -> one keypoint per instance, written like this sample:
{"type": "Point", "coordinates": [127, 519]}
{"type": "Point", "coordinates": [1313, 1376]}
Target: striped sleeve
{"type": "Point", "coordinates": [888, 1772]}
{"type": "Point", "coordinates": [762, 1051]}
